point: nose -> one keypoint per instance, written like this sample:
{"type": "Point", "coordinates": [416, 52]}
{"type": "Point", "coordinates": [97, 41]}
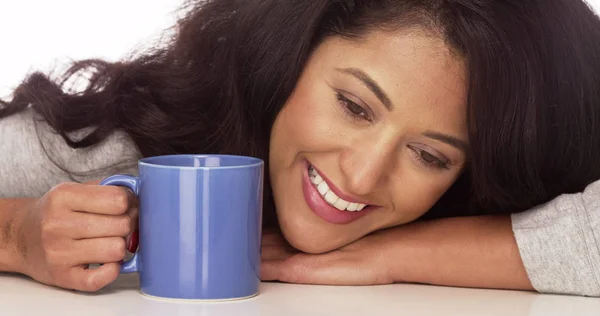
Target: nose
{"type": "Point", "coordinates": [366, 165]}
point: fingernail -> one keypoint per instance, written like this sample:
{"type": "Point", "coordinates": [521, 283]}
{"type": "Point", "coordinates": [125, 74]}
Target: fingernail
{"type": "Point", "coordinates": [133, 241]}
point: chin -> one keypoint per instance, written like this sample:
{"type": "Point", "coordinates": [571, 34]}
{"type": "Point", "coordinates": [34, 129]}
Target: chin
{"type": "Point", "coordinates": [310, 238]}
{"type": "Point", "coordinates": [301, 242]}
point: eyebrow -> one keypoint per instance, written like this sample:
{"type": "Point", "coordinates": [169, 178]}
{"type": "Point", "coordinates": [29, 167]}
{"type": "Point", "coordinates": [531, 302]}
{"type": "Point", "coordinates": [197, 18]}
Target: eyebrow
{"type": "Point", "coordinates": [383, 97]}
{"type": "Point", "coordinates": [370, 83]}
{"type": "Point", "coordinates": [450, 140]}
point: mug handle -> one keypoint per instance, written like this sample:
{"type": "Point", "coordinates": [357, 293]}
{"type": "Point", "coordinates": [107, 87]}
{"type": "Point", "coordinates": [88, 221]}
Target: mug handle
{"type": "Point", "coordinates": [131, 183]}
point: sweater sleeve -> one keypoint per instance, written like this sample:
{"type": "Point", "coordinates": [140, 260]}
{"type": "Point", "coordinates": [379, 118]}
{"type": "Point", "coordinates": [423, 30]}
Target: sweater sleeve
{"type": "Point", "coordinates": [559, 243]}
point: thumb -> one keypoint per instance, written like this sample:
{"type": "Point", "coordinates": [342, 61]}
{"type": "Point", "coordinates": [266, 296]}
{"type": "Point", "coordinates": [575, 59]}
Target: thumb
{"type": "Point", "coordinates": [92, 280]}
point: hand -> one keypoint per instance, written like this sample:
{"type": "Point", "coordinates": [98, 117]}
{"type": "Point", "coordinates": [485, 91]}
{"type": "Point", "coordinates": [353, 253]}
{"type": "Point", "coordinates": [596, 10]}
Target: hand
{"type": "Point", "coordinates": [360, 263]}
{"type": "Point", "coordinates": [72, 226]}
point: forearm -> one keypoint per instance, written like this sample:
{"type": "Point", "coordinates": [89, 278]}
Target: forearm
{"type": "Point", "coordinates": [10, 214]}
{"type": "Point", "coordinates": [476, 252]}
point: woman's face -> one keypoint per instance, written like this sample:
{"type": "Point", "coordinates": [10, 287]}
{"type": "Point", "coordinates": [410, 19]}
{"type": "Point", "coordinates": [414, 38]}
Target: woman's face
{"type": "Point", "coordinates": [373, 135]}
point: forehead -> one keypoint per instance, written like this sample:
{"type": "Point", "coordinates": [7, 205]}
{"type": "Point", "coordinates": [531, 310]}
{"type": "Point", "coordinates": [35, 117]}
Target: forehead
{"type": "Point", "coordinates": [423, 77]}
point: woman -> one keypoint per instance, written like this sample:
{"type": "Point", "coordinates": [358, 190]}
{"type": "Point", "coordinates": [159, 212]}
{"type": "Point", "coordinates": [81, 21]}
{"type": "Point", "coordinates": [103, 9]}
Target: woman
{"type": "Point", "coordinates": [400, 136]}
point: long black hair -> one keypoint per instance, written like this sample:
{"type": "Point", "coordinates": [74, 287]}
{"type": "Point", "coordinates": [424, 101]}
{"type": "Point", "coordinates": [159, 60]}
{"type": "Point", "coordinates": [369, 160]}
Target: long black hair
{"type": "Point", "coordinates": [218, 84]}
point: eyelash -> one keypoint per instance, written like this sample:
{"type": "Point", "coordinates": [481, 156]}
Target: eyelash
{"type": "Point", "coordinates": [438, 164]}
{"type": "Point", "coordinates": [347, 104]}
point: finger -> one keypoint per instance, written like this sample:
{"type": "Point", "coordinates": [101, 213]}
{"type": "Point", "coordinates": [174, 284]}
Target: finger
{"type": "Point", "coordinates": [132, 239]}
{"type": "Point", "coordinates": [98, 250]}
{"type": "Point", "coordinates": [269, 270]}
{"type": "Point", "coordinates": [274, 252]}
{"type": "Point", "coordinates": [276, 240]}
{"type": "Point", "coordinates": [87, 225]}
{"type": "Point", "coordinates": [272, 238]}
{"type": "Point", "coordinates": [327, 269]}
{"type": "Point", "coordinates": [300, 269]}
{"type": "Point", "coordinates": [134, 215]}
{"type": "Point", "coordinates": [88, 280]}
{"type": "Point", "coordinates": [110, 200]}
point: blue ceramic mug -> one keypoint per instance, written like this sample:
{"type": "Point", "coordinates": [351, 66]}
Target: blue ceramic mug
{"type": "Point", "coordinates": [200, 226]}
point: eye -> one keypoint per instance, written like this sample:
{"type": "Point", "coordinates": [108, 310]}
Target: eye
{"type": "Point", "coordinates": [428, 159]}
{"type": "Point", "coordinates": [353, 110]}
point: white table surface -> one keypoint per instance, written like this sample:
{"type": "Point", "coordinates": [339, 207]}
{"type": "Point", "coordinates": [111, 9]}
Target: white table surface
{"type": "Point", "coordinates": [21, 296]}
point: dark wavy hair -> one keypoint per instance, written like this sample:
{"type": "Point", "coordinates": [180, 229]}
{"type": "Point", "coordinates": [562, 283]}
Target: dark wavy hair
{"type": "Point", "coordinates": [217, 85]}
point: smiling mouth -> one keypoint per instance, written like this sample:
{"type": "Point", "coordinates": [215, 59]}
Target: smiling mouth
{"type": "Point", "coordinates": [329, 196]}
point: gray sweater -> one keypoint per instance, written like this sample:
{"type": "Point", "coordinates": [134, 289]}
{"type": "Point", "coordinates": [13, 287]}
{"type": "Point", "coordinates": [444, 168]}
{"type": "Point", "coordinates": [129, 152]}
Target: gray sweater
{"type": "Point", "coordinates": [559, 241]}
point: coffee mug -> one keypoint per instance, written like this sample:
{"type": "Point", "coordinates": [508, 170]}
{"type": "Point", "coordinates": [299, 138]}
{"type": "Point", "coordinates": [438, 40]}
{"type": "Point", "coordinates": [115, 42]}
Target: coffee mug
{"type": "Point", "coordinates": [199, 224]}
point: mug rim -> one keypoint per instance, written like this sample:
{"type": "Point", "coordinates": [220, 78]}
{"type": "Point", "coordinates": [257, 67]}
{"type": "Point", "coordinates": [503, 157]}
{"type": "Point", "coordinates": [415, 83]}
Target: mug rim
{"type": "Point", "coordinates": [252, 162]}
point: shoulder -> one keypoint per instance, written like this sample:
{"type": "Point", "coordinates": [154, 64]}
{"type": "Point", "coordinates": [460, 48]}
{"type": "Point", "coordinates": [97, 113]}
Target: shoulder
{"type": "Point", "coordinates": [566, 205]}
{"type": "Point", "coordinates": [34, 157]}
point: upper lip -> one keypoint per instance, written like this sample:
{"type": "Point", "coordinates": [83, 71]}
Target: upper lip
{"type": "Point", "coordinates": [346, 197]}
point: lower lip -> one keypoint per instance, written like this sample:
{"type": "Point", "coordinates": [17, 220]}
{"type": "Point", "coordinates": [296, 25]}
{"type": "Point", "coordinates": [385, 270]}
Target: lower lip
{"type": "Point", "coordinates": [327, 212]}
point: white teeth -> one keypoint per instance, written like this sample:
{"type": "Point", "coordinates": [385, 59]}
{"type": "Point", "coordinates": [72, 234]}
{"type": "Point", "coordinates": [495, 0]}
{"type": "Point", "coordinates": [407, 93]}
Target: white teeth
{"type": "Point", "coordinates": [318, 179]}
{"type": "Point", "coordinates": [331, 197]}
{"type": "Point", "coordinates": [341, 204]}
{"type": "Point", "coordinates": [315, 179]}
{"type": "Point", "coordinates": [353, 207]}
{"type": "Point", "coordinates": [323, 188]}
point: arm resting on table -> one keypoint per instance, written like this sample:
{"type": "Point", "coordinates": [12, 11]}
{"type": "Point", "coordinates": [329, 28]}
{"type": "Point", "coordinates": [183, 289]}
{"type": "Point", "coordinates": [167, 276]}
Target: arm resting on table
{"type": "Point", "coordinates": [478, 252]}
{"type": "Point", "coordinates": [553, 248]}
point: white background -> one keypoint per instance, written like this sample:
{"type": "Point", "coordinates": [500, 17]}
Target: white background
{"type": "Point", "coordinates": [44, 34]}
{"type": "Point", "coordinates": [47, 34]}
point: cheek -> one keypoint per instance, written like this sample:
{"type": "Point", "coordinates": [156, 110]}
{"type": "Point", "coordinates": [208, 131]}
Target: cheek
{"type": "Point", "coordinates": [305, 123]}
{"type": "Point", "coordinates": [416, 192]}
